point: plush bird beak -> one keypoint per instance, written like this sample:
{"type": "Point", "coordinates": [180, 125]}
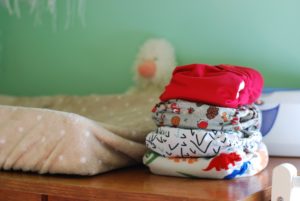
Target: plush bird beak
{"type": "Point", "coordinates": [147, 69]}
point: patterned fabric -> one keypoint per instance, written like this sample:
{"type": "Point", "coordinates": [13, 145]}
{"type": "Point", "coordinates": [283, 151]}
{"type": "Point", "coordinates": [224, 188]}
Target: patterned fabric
{"type": "Point", "coordinates": [222, 85]}
{"type": "Point", "coordinates": [177, 142]}
{"type": "Point", "coordinates": [223, 166]}
{"type": "Point", "coordinates": [208, 125]}
{"type": "Point", "coordinates": [186, 114]}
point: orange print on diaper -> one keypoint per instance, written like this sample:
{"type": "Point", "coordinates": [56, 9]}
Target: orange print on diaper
{"type": "Point", "coordinates": [175, 121]}
{"type": "Point", "coordinates": [187, 160]}
{"type": "Point", "coordinates": [224, 117]}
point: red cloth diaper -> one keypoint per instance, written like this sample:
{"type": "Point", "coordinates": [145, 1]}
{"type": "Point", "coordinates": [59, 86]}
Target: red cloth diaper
{"type": "Point", "coordinates": [223, 85]}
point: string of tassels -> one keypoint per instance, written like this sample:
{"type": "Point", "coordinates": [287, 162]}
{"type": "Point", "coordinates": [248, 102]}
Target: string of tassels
{"type": "Point", "coordinates": [74, 9]}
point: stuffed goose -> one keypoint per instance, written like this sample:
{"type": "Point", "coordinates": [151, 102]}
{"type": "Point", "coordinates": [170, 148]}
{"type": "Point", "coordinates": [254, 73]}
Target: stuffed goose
{"type": "Point", "coordinates": [85, 135]}
{"type": "Point", "coordinates": [154, 65]}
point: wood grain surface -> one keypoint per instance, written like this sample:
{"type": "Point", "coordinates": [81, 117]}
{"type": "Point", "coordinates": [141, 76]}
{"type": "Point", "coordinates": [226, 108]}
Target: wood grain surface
{"type": "Point", "coordinates": [135, 183]}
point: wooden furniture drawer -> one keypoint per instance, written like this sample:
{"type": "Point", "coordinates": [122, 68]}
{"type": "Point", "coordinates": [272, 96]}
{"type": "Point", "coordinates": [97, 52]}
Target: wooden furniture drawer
{"type": "Point", "coordinates": [136, 184]}
{"type": "Point", "coordinates": [9, 195]}
{"type": "Point", "coordinates": [55, 198]}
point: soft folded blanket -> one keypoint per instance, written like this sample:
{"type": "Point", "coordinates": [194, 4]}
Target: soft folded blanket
{"type": "Point", "coordinates": [72, 134]}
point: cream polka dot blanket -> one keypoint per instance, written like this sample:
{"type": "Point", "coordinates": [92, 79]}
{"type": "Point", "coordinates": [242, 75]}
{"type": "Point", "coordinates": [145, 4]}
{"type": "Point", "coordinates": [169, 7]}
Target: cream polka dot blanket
{"type": "Point", "coordinates": [74, 135]}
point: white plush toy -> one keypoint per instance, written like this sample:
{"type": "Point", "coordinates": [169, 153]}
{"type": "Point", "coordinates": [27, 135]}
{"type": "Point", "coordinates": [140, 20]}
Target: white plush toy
{"type": "Point", "coordinates": [154, 65]}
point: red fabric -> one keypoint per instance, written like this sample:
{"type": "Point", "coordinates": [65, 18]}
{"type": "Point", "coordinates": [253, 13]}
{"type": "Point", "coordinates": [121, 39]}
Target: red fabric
{"type": "Point", "coordinates": [214, 85]}
{"type": "Point", "coordinates": [223, 160]}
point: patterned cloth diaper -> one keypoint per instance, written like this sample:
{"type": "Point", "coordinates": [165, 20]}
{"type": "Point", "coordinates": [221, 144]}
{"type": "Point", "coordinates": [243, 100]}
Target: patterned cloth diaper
{"type": "Point", "coordinates": [223, 166]}
{"type": "Point", "coordinates": [177, 142]}
{"type": "Point", "coordinates": [223, 85]}
{"type": "Point", "coordinates": [186, 114]}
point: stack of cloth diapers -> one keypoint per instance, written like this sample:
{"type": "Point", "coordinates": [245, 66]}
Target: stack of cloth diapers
{"type": "Point", "coordinates": [208, 125]}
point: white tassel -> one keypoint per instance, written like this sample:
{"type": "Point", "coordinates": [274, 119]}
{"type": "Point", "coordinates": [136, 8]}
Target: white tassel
{"type": "Point", "coordinates": [38, 7]}
{"type": "Point", "coordinates": [73, 11]}
{"type": "Point", "coordinates": [81, 11]}
{"type": "Point", "coordinates": [17, 8]}
{"type": "Point", "coordinates": [33, 6]}
{"type": "Point", "coordinates": [52, 6]}
{"type": "Point", "coordinates": [8, 6]}
{"type": "Point", "coordinates": [38, 12]}
{"type": "Point", "coordinates": [52, 10]}
{"type": "Point", "coordinates": [68, 13]}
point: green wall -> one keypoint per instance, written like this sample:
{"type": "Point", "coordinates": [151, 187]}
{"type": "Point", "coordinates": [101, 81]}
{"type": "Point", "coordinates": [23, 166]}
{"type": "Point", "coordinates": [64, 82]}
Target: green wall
{"type": "Point", "coordinates": [97, 58]}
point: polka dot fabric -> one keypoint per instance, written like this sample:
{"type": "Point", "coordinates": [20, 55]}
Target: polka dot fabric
{"type": "Point", "coordinates": [72, 134]}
